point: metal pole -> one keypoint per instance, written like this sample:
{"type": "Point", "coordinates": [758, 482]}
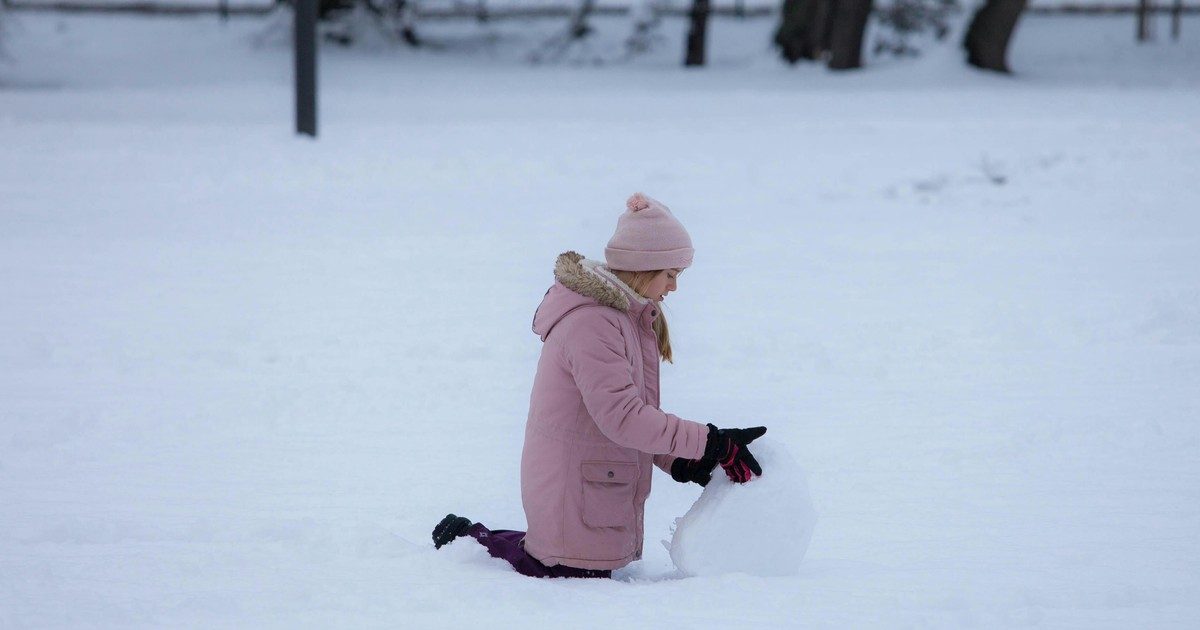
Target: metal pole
{"type": "Point", "coordinates": [306, 67]}
{"type": "Point", "coordinates": [1176, 13]}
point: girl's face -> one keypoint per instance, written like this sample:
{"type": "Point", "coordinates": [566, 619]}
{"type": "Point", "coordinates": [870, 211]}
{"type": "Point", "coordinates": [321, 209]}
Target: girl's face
{"type": "Point", "coordinates": [662, 284]}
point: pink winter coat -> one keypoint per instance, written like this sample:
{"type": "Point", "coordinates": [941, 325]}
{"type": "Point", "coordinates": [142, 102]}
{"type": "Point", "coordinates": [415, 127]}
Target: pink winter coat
{"type": "Point", "coordinates": [594, 426]}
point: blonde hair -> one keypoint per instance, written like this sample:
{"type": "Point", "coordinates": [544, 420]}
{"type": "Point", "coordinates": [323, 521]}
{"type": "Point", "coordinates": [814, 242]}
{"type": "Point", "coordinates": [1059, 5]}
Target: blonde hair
{"type": "Point", "coordinates": [639, 280]}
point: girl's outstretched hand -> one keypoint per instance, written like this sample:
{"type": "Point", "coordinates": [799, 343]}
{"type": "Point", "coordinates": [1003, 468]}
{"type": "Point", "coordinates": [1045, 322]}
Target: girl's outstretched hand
{"type": "Point", "coordinates": [728, 447]}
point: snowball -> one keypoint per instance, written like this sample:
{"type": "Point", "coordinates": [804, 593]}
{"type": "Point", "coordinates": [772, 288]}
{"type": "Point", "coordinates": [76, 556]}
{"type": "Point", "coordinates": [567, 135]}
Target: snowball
{"type": "Point", "coordinates": [762, 527]}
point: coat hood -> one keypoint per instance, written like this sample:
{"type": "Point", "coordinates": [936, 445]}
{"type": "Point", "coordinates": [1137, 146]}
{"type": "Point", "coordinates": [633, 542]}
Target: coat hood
{"type": "Point", "coordinates": [579, 282]}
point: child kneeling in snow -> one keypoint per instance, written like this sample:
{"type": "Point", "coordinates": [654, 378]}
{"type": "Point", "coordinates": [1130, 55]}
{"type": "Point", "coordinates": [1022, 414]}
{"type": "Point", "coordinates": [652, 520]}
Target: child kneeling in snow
{"type": "Point", "coordinates": [594, 425]}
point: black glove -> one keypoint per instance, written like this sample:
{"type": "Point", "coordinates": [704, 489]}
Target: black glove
{"type": "Point", "coordinates": [450, 528]}
{"type": "Point", "coordinates": [727, 447]}
{"type": "Point", "coordinates": [694, 470]}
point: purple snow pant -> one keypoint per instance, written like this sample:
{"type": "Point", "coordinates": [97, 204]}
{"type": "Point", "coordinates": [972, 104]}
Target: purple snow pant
{"type": "Point", "coordinates": [509, 545]}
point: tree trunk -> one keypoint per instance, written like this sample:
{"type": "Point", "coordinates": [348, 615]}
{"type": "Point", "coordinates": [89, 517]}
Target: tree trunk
{"type": "Point", "coordinates": [696, 34]}
{"type": "Point", "coordinates": [803, 29]}
{"type": "Point", "coordinates": [847, 26]}
{"type": "Point", "coordinates": [1176, 15]}
{"type": "Point", "coordinates": [1143, 24]}
{"type": "Point", "coordinates": [988, 35]}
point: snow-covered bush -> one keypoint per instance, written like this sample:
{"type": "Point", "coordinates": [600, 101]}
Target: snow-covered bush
{"type": "Point", "coordinates": [903, 24]}
{"type": "Point", "coordinates": [645, 18]}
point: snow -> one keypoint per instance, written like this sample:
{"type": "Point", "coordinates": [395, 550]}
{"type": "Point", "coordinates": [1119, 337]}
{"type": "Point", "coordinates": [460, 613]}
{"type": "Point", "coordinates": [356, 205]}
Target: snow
{"type": "Point", "coordinates": [762, 527]}
{"type": "Point", "coordinates": [242, 375]}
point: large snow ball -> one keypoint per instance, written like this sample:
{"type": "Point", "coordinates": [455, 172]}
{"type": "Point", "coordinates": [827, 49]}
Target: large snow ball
{"type": "Point", "coordinates": [761, 527]}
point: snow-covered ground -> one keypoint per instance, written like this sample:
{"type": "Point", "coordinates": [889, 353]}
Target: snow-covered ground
{"type": "Point", "coordinates": [242, 375]}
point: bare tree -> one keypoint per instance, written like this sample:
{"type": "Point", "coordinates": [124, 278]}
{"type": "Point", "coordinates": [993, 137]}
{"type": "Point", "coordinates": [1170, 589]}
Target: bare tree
{"type": "Point", "coordinates": [576, 32]}
{"type": "Point", "coordinates": [802, 33]}
{"type": "Point", "coordinates": [989, 33]}
{"type": "Point", "coordinates": [848, 23]}
{"type": "Point", "coordinates": [815, 29]}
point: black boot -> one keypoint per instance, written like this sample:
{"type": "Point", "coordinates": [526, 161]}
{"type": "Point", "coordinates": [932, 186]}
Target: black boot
{"type": "Point", "coordinates": [450, 528]}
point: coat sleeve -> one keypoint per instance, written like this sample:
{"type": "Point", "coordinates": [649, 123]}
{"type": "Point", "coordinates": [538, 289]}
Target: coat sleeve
{"type": "Point", "coordinates": [595, 353]}
{"type": "Point", "coordinates": [664, 462]}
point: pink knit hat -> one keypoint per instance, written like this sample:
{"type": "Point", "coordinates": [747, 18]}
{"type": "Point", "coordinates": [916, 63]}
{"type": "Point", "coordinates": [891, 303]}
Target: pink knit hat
{"type": "Point", "coordinates": [648, 238]}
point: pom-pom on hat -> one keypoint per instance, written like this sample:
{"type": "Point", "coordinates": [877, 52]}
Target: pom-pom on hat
{"type": "Point", "coordinates": [648, 238]}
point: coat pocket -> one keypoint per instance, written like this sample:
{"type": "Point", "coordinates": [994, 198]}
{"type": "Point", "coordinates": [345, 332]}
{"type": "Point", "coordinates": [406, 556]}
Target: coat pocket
{"type": "Point", "coordinates": [608, 491]}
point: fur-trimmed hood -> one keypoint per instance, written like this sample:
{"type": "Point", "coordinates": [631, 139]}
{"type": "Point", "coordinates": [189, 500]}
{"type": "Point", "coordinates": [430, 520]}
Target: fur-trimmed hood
{"type": "Point", "coordinates": [581, 282]}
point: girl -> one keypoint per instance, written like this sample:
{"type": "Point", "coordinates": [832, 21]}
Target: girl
{"type": "Point", "coordinates": [594, 426]}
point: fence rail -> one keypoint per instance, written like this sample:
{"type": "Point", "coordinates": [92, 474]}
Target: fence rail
{"type": "Point", "coordinates": [148, 7]}
{"type": "Point", "coordinates": [1108, 9]}
{"type": "Point", "coordinates": [138, 7]}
